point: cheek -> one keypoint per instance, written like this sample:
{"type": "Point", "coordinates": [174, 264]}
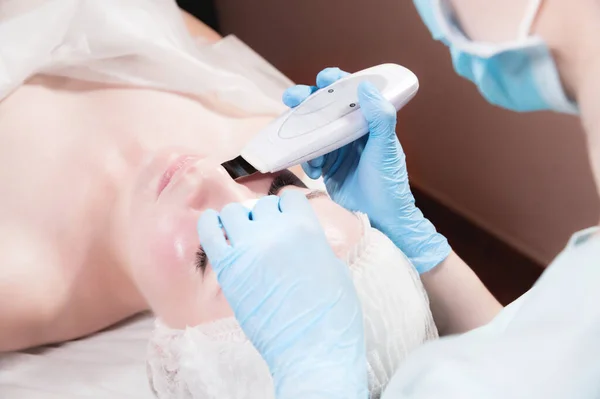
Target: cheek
{"type": "Point", "coordinates": [342, 228]}
{"type": "Point", "coordinates": [176, 290]}
{"type": "Point", "coordinates": [490, 21]}
{"type": "Point", "coordinates": [163, 257]}
{"type": "Point", "coordinates": [173, 243]}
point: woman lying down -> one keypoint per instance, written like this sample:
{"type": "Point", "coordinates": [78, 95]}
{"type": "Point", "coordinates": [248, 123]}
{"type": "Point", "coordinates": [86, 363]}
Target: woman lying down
{"type": "Point", "coordinates": [102, 190]}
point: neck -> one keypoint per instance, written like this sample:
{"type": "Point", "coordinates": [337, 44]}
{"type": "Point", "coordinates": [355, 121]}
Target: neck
{"type": "Point", "coordinates": [112, 239]}
{"type": "Point", "coordinates": [118, 272]}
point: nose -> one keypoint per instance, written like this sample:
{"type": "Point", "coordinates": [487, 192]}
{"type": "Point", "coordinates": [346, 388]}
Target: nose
{"type": "Point", "coordinates": [215, 187]}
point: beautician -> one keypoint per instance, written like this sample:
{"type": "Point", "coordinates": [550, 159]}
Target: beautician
{"type": "Point", "coordinates": [545, 345]}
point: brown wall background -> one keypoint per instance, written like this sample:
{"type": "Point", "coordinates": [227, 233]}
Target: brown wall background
{"type": "Point", "coordinates": [525, 178]}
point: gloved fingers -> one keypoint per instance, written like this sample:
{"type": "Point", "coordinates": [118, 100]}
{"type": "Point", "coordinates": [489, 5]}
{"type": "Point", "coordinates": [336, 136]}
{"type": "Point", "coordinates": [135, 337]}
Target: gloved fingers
{"type": "Point", "coordinates": [312, 172]}
{"type": "Point", "coordinates": [211, 237]}
{"type": "Point", "coordinates": [330, 160]}
{"type": "Point", "coordinates": [359, 144]}
{"type": "Point", "coordinates": [313, 168]}
{"type": "Point", "coordinates": [337, 158]}
{"type": "Point", "coordinates": [236, 222]}
{"type": "Point", "coordinates": [330, 75]}
{"type": "Point", "coordinates": [317, 162]}
{"type": "Point", "coordinates": [295, 95]}
{"type": "Point", "coordinates": [295, 201]}
{"type": "Point", "coordinates": [266, 207]}
{"type": "Point", "coordinates": [379, 112]}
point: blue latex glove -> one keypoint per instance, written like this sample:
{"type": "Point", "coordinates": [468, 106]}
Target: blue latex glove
{"type": "Point", "coordinates": [293, 298]}
{"type": "Point", "coordinates": [370, 176]}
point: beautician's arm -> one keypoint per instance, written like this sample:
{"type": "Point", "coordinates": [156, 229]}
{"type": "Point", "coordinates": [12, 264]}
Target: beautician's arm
{"type": "Point", "coordinates": [459, 301]}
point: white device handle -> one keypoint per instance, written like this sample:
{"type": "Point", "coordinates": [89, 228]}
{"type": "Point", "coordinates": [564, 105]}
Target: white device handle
{"type": "Point", "coordinates": [327, 120]}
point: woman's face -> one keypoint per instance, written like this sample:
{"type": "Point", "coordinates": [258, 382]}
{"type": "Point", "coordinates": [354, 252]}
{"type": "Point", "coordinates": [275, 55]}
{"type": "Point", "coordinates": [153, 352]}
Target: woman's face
{"type": "Point", "coordinates": [91, 194]}
{"type": "Point", "coordinates": [169, 194]}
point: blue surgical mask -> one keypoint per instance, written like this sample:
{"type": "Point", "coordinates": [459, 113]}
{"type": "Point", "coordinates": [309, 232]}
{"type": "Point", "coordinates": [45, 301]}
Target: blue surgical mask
{"type": "Point", "coordinates": [520, 75]}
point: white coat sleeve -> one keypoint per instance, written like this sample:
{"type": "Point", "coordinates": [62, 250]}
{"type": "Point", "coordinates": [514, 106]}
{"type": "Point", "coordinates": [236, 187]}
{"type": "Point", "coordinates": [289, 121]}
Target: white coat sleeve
{"type": "Point", "coordinates": [545, 345]}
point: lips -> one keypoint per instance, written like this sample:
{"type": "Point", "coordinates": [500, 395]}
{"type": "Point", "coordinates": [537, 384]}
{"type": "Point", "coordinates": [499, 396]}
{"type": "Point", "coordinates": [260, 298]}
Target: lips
{"type": "Point", "coordinates": [176, 166]}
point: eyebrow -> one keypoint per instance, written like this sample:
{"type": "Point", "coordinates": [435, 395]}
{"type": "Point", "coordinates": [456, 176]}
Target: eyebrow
{"type": "Point", "coordinates": [287, 178]}
{"type": "Point", "coordinates": [317, 194]}
{"type": "Point", "coordinates": [282, 180]}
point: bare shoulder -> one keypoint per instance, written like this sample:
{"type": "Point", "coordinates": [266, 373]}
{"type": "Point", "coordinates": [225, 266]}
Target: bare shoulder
{"type": "Point", "coordinates": [198, 28]}
{"type": "Point", "coordinates": [31, 288]}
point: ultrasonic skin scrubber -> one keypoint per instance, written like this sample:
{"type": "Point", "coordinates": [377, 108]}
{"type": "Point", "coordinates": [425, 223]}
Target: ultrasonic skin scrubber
{"type": "Point", "coordinates": [327, 120]}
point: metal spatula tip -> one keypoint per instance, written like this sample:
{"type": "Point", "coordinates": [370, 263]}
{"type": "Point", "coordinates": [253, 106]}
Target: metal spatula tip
{"type": "Point", "coordinates": [238, 167]}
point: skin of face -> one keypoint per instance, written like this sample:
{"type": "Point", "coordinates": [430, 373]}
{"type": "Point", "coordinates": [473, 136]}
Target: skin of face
{"type": "Point", "coordinates": [490, 21]}
{"type": "Point", "coordinates": [161, 228]}
{"type": "Point", "coordinates": [86, 241]}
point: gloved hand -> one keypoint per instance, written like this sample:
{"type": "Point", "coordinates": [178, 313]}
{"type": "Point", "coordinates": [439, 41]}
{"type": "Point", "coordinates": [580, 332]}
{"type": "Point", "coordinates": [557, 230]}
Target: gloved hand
{"type": "Point", "coordinates": [293, 298]}
{"type": "Point", "coordinates": [369, 175]}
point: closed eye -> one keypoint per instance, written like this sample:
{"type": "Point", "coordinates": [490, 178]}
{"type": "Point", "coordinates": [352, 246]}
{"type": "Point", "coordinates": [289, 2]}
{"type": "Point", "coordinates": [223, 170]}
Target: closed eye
{"type": "Point", "coordinates": [284, 179]}
{"type": "Point", "coordinates": [201, 260]}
